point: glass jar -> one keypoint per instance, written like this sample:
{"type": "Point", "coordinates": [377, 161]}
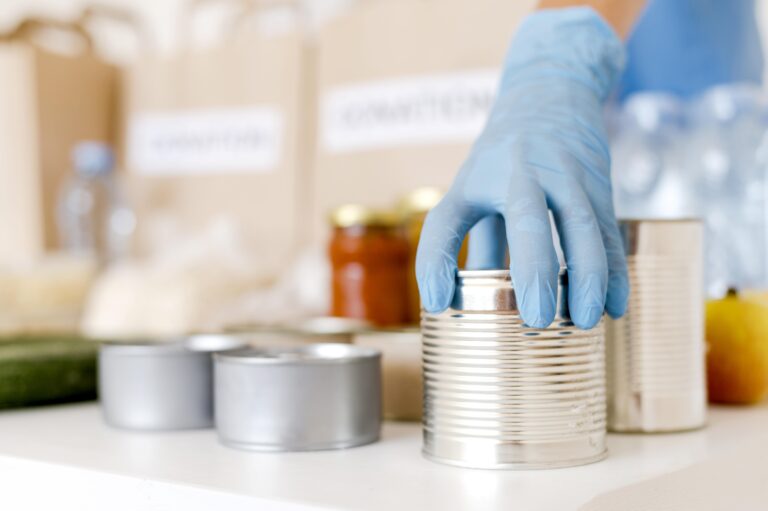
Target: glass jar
{"type": "Point", "coordinates": [369, 254]}
{"type": "Point", "coordinates": [413, 208]}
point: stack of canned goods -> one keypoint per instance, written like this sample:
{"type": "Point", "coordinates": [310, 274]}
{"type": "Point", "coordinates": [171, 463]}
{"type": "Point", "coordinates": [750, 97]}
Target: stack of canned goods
{"type": "Point", "coordinates": [501, 395]}
{"type": "Point", "coordinates": [281, 398]}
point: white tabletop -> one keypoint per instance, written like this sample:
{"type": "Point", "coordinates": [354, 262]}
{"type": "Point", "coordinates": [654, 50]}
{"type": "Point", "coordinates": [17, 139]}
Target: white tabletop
{"type": "Point", "coordinates": [66, 457]}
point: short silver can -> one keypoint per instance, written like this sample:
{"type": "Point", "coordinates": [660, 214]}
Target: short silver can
{"type": "Point", "coordinates": [299, 398]}
{"type": "Point", "coordinates": [160, 385]}
{"type": "Point", "coordinates": [656, 352]}
{"type": "Point", "coordinates": [501, 395]}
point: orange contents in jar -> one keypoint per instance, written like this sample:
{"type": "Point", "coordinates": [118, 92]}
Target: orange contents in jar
{"type": "Point", "coordinates": [369, 256]}
{"type": "Point", "coordinates": [413, 208]}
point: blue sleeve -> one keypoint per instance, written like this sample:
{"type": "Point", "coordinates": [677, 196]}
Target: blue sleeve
{"type": "Point", "coordinates": [686, 46]}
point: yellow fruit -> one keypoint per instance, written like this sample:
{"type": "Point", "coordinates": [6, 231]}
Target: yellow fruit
{"type": "Point", "coordinates": [737, 358]}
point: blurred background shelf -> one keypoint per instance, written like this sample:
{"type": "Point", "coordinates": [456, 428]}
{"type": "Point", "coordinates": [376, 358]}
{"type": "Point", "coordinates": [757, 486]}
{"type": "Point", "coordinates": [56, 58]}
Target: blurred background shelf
{"type": "Point", "coordinates": [66, 457]}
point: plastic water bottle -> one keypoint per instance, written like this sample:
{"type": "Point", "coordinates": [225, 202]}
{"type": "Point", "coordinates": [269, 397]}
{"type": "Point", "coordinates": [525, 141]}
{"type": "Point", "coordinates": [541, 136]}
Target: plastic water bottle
{"type": "Point", "coordinates": [93, 218]}
{"type": "Point", "coordinates": [726, 149]}
{"type": "Point", "coordinates": [647, 180]}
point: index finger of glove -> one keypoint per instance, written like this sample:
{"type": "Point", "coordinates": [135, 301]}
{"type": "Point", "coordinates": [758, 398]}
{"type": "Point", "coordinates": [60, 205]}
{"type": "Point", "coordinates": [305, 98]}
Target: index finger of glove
{"type": "Point", "coordinates": [444, 230]}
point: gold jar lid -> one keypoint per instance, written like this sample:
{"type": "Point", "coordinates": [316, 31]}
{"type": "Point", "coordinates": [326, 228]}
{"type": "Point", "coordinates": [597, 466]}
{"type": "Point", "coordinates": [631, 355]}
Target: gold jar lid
{"type": "Point", "coordinates": [351, 215]}
{"type": "Point", "coordinates": [420, 200]}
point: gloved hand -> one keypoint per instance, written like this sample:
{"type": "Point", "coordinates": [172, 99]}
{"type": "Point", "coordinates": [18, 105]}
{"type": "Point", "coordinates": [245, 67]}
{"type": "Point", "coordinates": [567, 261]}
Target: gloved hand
{"type": "Point", "coordinates": [543, 147]}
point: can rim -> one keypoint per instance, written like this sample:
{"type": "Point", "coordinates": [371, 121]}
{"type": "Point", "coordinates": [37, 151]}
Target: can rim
{"type": "Point", "coordinates": [501, 274]}
{"type": "Point", "coordinates": [145, 347]}
{"type": "Point", "coordinates": [494, 291]}
{"type": "Point", "coordinates": [211, 343]}
{"type": "Point", "coordinates": [319, 326]}
{"type": "Point", "coordinates": [309, 354]}
{"type": "Point", "coordinates": [196, 343]}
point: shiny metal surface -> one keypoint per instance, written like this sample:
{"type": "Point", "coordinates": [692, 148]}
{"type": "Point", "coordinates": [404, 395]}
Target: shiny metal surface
{"type": "Point", "coordinates": [155, 386]}
{"type": "Point", "coordinates": [326, 329]}
{"type": "Point", "coordinates": [501, 395]}
{"type": "Point", "coordinates": [656, 352]}
{"type": "Point", "coordinates": [491, 290]}
{"type": "Point", "coordinates": [301, 398]}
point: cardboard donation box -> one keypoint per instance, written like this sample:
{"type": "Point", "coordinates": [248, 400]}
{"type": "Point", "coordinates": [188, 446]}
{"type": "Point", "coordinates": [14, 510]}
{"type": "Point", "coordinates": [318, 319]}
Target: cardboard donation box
{"type": "Point", "coordinates": [214, 133]}
{"type": "Point", "coordinates": [404, 88]}
{"type": "Point", "coordinates": [49, 101]}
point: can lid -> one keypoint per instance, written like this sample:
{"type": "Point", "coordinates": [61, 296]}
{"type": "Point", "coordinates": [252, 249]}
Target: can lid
{"type": "Point", "coordinates": [142, 348]}
{"type": "Point", "coordinates": [211, 343]}
{"type": "Point", "coordinates": [353, 215]}
{"type": "Point", "coordinates": [198, 343]}
{"type": "Point", "coordinates": [492, 291]}
{"type": "Point", "coordinates": [317, 328]}
{"type": "Point", "coordinates": [92, 158]}
{"type": "Point", "coordinates": [310, 354]}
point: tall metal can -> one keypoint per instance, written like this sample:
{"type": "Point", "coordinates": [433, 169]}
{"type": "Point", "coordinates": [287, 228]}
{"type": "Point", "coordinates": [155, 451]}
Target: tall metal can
{"type": "Point", "coordinates": [498, 394]}
{"type": "Point", "coordinates": [656, 352]}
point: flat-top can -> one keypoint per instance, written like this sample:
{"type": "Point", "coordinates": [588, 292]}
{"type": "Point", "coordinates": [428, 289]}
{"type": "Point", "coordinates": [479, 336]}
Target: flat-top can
{"type": "Point", "coordinates": [298, 398]}
{"type": "Point", "coordinates": [160, 385]}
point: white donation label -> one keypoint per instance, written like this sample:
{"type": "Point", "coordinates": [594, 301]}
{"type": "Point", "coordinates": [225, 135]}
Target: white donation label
{"type": "Point", "coordinates": [210, 141]}
{"type": "Point", "coordinates": [432, 109]}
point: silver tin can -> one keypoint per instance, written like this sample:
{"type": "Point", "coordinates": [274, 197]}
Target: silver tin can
{"type": "Point", "coordinates": [500, 395]}
{"type": "Point", "coordinates": [656, 352]}
{"type": "Point", "coordinates": [301, 398]}
{"type": "Point", "coordinates": [322, 329]}
{"type": "Point", "coordinates": [160, 386]}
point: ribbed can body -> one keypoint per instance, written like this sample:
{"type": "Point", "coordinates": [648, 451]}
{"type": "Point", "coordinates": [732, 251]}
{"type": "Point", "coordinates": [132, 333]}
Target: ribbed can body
{"type": "Point", "coordinates": [656, 352]}
{"type": "Point", "coordinates": [501, 395]}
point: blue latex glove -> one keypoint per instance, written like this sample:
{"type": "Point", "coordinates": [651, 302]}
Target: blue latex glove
{"type": "Point", "coordinates": [687, 46]}
{"type": "Point", "coordinates": [543, 148]}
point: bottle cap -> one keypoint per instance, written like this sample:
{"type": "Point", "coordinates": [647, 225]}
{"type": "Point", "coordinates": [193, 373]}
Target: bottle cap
{"type": "Point", "coordinates": [93, 158]}
{"type": "Point", "coordinates": [420, 200]}
{"type": "Point", "coordinates": [652, 110]}
{"type": "Point", "coordinates": [352, 215]}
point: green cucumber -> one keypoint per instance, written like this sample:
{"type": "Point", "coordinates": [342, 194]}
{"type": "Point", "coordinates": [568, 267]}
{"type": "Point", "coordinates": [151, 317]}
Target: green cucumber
{"type": "Point", "coordinates": [38, 370]}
